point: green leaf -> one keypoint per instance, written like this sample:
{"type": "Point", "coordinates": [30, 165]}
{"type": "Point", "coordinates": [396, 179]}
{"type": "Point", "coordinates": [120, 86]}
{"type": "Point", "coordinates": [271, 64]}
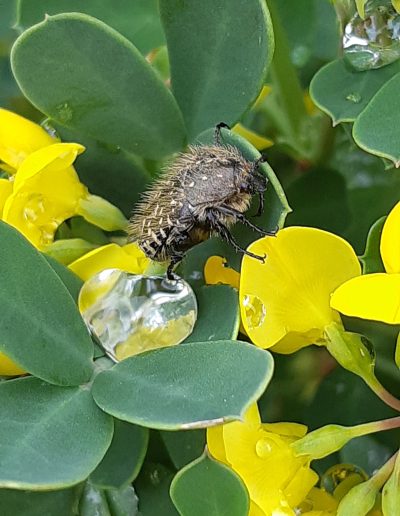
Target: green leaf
{"type": "Point", "coordinates": [218, 314]}
{"type": "Point", "coordinates": [105, 90]}
{"type": "Point", "coordinates": [317, 195]}
{"type": "Point", "coordinates": [184, 446]}
{"type": "Point", "coordinates": [343, 93]}
{"type": "Point", "coordinates": [108, 171]}
{"type": "Point", "coordinates": [374, 130]}
{"type": "Point", "coordinates": [185, 387]}
{"type": "Point", "coordinates": [33, 503]}
{"type": "Point", "coordinates": [138, 21]}
{"type": "Point", "coordinates": [152, 488]}
{"type": "Point", "coordinates": [218, 65]}
{"type": "Point", "coordinates": [371, 259]}
{"type": "Point", "coordinates": [42, 329]}
{"type": "Point", "coordinates": [122, 502]}
{"type": "Point", "coordinates": [209, 488]}
{"type": "Point", "coordinates": [50, 437]}
{"type": "Point", "coordinates": [391, 492]}
{"type": "Point", "coordinates": [110, 502]}
{"type": "Point", "coordinates": [72, 282]}
{"type": "Point", "coordinates": [123, 460]}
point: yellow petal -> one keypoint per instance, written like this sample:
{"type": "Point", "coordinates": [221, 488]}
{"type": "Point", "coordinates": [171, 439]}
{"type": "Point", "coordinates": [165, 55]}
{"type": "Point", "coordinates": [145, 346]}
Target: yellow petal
{"type": "Point", "coordinates": [215, 443]}
{"type": "Point", "coordinates": [8, 367]}
{"type": "Point", "coordinates": [35, 216]}
{"type": "Point", "coordinates": [6, 188]}
{"type": "Point", "coordinates": [300, 485]}
{"type": "Point", "coordinates": [255, 510]}
{"type": "Point", "coordinates": [110, 256]}
{"type": "Point", "coordinates": [285, 301]}
{"type": "Point", "coordinates": [390, 241]}
{"type": "Point", "coordinates": [215, 271]}
{"type": "Point", "coordinates": [257, 140]}
{"type": "Point", "coordinates": [49, 160]}
{"type": "Point", "coordinates": [373, 296]}
{"type": "Point", "coordinates": [20, 137]}
{"type": "Point", "coordinates": [295, 430]}
{"type": "Point", "coordinates": [396, 5]}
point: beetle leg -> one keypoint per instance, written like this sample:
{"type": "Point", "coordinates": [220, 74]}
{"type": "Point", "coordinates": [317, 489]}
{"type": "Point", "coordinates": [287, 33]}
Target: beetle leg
{"type": "Point", "coordinates": [217, 132]}
{"type": "Point", "coordinates": [226, 235]}
{"type": "Point", "coordinates": [241, 218]}
{"type": "Point", "coordinates": [260, 210]}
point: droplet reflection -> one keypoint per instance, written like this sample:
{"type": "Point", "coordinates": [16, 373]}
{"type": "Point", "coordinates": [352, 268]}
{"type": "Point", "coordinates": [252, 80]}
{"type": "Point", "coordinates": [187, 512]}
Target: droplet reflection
{"type": "Point", "coordinates": [129, 313]}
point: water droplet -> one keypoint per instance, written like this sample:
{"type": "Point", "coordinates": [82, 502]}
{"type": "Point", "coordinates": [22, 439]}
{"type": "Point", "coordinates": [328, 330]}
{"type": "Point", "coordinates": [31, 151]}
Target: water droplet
{"type": "Point", "coordinates": [64, 112]}
{"type": "Point", "coordinates": [372, 42]}
{"type": "Point", "coordinates": [129, 313]}
{"type": "Point", "coordinates": [339, 473]}
{"type": "Point", "coordinates": [255, 311]}
{"type": "Point", "coordinates": [263, 448]}
{"type": "Point", "coordinates": [354, 97]}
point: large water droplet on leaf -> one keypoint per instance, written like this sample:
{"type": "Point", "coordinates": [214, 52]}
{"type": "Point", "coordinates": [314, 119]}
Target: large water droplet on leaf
{"type": "Point", "coordinates": [129, 313]}
{"type": "Point", "coordinates": [374, 41]}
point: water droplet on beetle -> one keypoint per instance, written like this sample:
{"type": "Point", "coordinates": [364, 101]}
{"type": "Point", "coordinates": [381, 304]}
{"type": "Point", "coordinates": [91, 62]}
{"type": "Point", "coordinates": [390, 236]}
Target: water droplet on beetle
{"type": "Point", "coordinates": [129, 313]}
{"type": "Point", "coordinates": [354, 97]}
{"type": "Point", "coordinates": [372, 42]}
{"type": "Point", "coordinates": [255, 311]}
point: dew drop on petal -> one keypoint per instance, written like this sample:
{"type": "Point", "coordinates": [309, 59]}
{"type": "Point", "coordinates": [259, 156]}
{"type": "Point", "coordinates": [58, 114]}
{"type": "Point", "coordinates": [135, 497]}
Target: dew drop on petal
{"type": "Point", "coordinates": [263, 448]}
{"type": "Point", "coordinates": [372, 42]}
{"type": "Point", "coordinates": [129, 313]}
{"type": "Point", "coordinates": [255, 311]}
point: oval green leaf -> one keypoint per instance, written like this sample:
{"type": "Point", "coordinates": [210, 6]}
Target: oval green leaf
{"type": "Point", "coordinates": [207, 487]}
{"type": "Point", "coordinates": [185, 387]}
{"type": "Point", "coordinates": [342, 93]}
{"type": "Point", "coordinates": [184, 446]}
{"type": "Point", "coordinates": [124, 458]}
{"type": "Point", "coordinates": [213, 323]}
{"type": "Point", "coordinates": [41, 329]}
{"type": "Point", "coordinates": [86, 76]}
{"type": "Point", "coordinates": [138, 20]}
{"type": "Point", "coordinates": [218, 65]}
{"type": "Point", "coordinates": [110, 502]}
{"type": "Point", "coordinates": [375, 128]}
{"type": "Point", "coordinates": [33, 503]}
{"type": "Point", "coordinates": [50, 437]}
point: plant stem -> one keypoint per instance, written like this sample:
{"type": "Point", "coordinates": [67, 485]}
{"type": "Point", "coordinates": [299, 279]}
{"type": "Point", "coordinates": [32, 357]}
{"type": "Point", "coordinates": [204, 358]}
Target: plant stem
{"type": "Point", "coordinates": [285, 82]}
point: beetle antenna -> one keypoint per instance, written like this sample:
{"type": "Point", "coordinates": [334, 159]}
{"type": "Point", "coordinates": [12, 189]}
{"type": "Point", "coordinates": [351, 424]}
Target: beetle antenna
{"type": "Point", "coordinates": [217, 132]}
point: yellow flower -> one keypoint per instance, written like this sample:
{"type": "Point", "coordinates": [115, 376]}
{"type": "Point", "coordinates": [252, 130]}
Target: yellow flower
{"type": "Point", "coordinates": [129, 258]}
{"type": "Point", "coordinates": [376, 296]}
{"type": "Point", "coordinates": [45, 189]}
{"type": "Point", "coordinates": [277, 480]}
{"type": "Point", "coordinates": [19, 137]}
{"type": "Point", "coordinates": [285, 301]}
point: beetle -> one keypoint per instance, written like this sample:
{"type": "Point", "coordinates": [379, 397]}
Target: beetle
{"type": "Point", "coordinates": [203, 192]}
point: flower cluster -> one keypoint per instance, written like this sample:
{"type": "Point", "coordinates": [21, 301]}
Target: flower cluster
{"type": "Point", "coordinates": [40, 189]}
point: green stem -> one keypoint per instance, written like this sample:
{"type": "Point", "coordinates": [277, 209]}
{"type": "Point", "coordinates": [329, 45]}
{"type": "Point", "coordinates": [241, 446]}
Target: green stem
{"type": "Point", "coordinates": [376, 426]}
{"type": "Point", "coordinates": [351, 353]}
{"type": "Point", "coordinates": [285, 82]}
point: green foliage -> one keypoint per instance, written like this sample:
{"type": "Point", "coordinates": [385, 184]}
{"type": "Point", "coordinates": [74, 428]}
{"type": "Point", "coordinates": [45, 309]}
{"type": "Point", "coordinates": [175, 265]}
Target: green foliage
{"type": "Point", "coordinates": [139, 115]}
{"type": "Point", "coordinates": [134, 81]}
{"type": "Point", "coordinates": [226, 494]}
{"type": "Point", "coordinates": [49, 320]}
{"type": "Point", "coordinates": [217, 34]}
{"type": "Point", "coordinates": [67, 447]}
{"type": "Point", "coordinates": [204, 386]}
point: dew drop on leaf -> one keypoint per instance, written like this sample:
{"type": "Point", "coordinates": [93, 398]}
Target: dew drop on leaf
{"type": "Point", "coordinates": [374, 41]}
